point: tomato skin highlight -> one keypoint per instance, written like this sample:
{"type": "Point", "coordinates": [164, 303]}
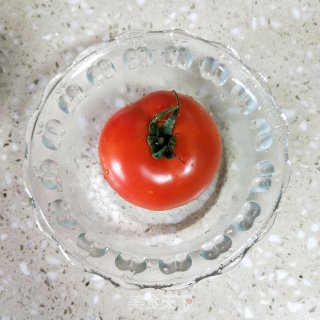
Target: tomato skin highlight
{"type": "Point", "coordinates": [160, 184]}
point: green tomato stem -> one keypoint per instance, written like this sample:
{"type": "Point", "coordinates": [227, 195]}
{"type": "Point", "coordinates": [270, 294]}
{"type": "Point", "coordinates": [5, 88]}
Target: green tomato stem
{"type": "Point", "coordinates": [160, 138]}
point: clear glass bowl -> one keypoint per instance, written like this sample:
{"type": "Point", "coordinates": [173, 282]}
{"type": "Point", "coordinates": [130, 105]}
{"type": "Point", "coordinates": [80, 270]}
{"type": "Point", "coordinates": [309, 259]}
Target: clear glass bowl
{"type": "Point", "coordinates": [134, 247]}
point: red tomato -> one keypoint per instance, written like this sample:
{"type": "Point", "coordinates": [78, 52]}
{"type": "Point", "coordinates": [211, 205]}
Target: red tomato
{"type": "Point", "coordinates": [193, 151]}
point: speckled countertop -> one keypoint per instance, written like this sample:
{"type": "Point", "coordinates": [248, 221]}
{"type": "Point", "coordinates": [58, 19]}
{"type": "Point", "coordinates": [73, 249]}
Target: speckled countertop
{"type": "Point", "coordinates": [280, 277]}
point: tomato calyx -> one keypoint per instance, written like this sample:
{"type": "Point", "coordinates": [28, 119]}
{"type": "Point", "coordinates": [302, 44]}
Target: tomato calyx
{"type": "Point", "coordinates": [160, 138]}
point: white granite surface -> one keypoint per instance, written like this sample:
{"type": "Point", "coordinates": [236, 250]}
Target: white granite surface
{"type": "Point", "coordinates": [280, 277]}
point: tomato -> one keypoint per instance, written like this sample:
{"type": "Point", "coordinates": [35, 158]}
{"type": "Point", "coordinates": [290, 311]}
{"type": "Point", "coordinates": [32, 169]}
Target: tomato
{"type": "Point", "coordinates": [160, 152]}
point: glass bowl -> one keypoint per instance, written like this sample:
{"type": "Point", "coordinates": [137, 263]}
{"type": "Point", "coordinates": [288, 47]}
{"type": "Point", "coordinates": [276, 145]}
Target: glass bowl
{"type": "Point", "coordinates": [128, 245]}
